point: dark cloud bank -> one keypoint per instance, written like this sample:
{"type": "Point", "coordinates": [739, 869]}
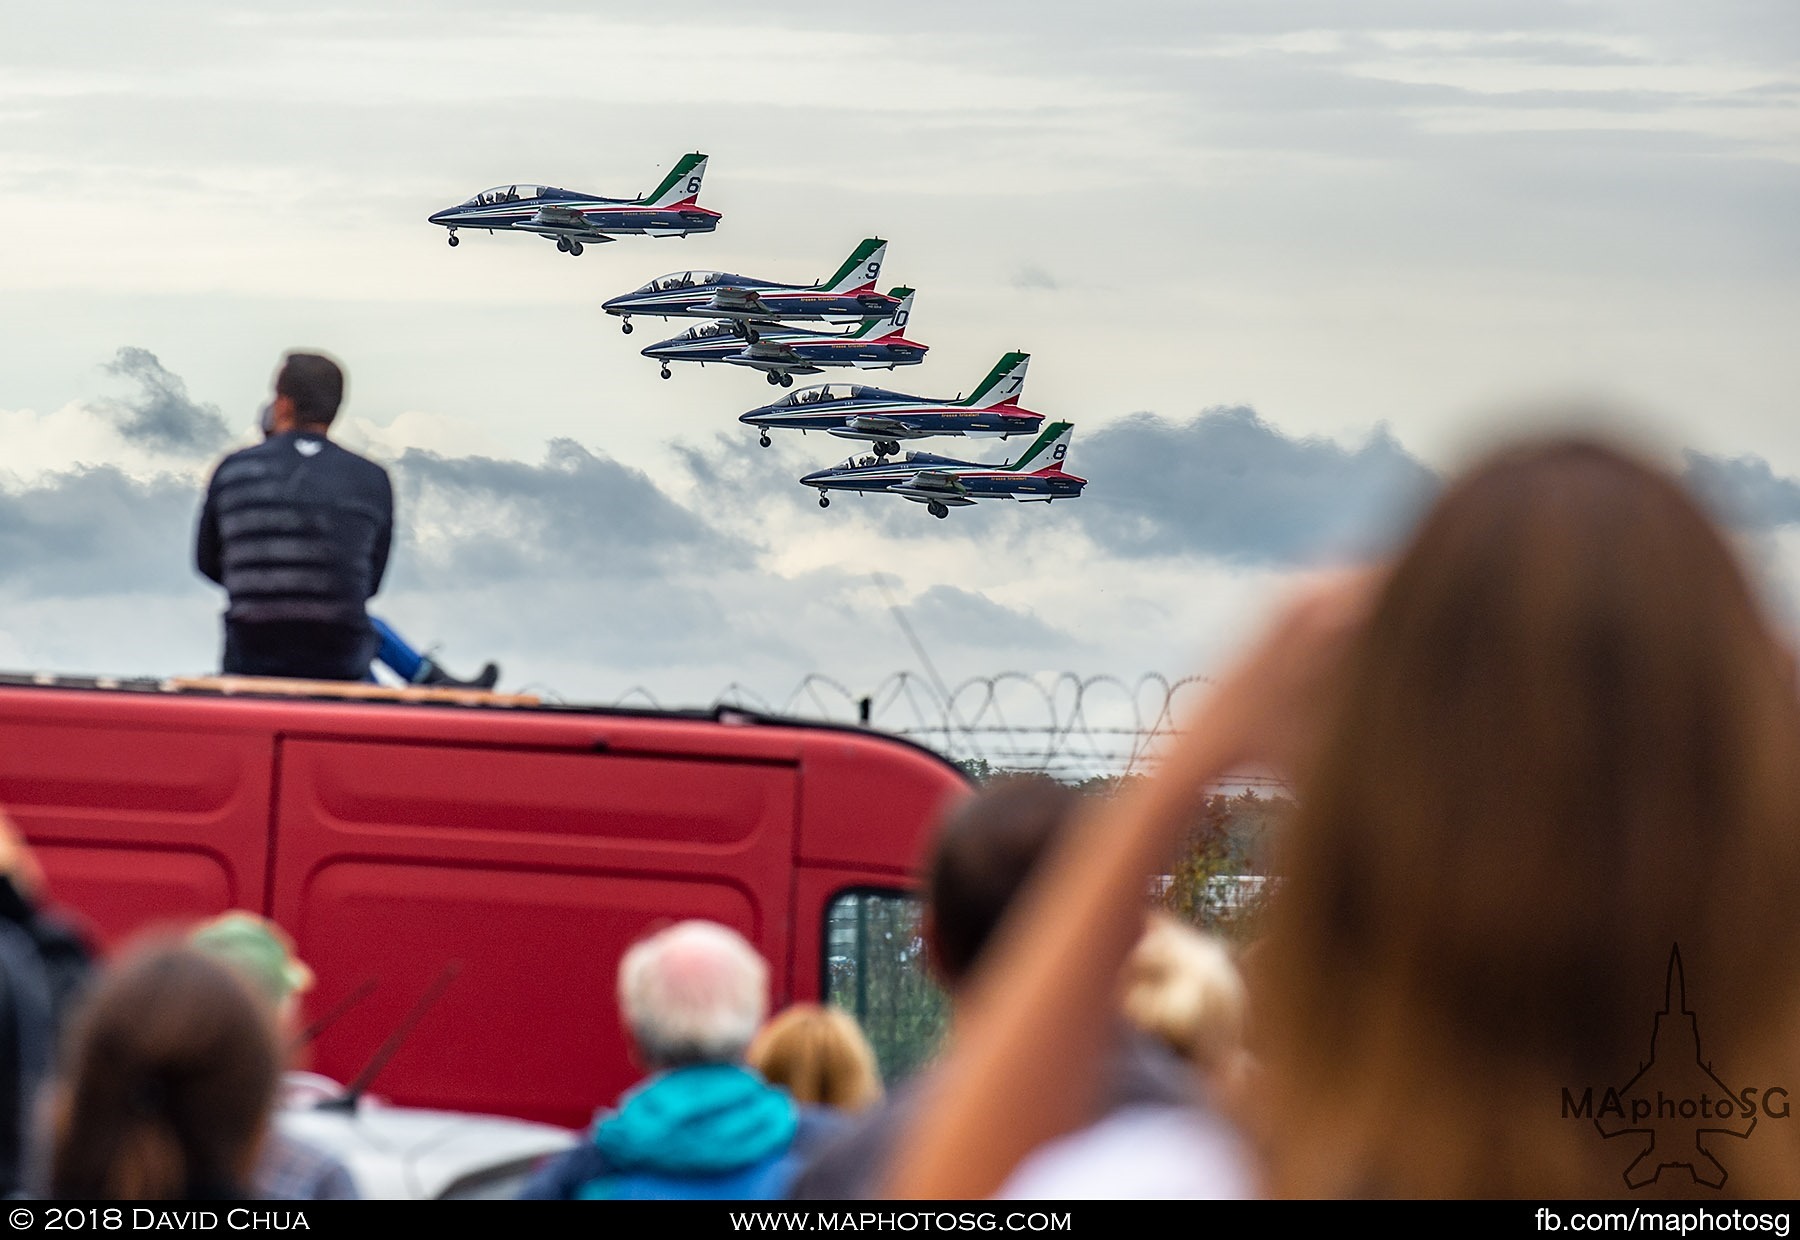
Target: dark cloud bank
{"type": "Point", "coordinates": [1223, 485]}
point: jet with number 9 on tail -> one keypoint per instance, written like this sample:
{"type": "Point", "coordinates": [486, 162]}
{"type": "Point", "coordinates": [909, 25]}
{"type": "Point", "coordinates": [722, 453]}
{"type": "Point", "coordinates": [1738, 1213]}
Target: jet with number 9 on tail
{"type": "Point", "coordinates": [848, 296]}
{"type": "Point", "coordinates": [781, 352]}
{"type": "Point", "coordinates": [884, 418]}
{"type": "Point", "coordinates": [570, 218]}
{"type": "Point", "coordinates": [942, 483]}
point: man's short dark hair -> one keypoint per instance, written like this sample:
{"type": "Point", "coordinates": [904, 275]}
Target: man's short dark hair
{"type": "Point", "coordinates": [985, 851]}
{"type": "Point", "coordinates": [315, 384]}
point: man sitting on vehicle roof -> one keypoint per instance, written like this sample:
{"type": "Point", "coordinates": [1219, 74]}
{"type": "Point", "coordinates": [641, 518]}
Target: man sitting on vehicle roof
{"type": "Point", "coordinates": [703, 1125]}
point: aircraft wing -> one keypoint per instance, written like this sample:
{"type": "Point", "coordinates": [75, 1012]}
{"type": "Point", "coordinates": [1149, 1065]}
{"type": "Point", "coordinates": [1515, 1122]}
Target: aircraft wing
{"type": "Point", "coordinates": [935, 480]}
{"type": "Point", "coordinates": [768, 351]}
{"type": "Point", "coordinates": [738, 301]}
{"type": "Point", "coordinates": [560, 221]}
{"type": "Point", "coordinates": [871, 425]}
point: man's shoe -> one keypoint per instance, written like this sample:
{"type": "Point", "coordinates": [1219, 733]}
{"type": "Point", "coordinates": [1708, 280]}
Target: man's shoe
{"type": "Point", "coordinates": [433, 676]}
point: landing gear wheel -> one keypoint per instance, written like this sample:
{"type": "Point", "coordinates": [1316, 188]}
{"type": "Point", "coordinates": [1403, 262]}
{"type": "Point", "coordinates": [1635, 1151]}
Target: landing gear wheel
{"type": "Point", "coordinates": [937, 510]}
{"type": "Point", "coordinates": [787, 380]}
{"type": "Point", "coordinates": [562, 243]}
{"type": "Point", "coordinates": [824, 500]}
{"type": "Point", "coordinates": [455, 240]}
{"type": "Point", "coordinates": [626, 327]}
{"type": "Point", "coordinates": [773, 378]}
{"type": "Point", "coordinates": [574, 247]}
{"type": "Point", "coordinates": [886, 449]}
{"type": "Point", "coordinates": [665, 372]}
{"type": "Point", "coordinates": [763, 440]}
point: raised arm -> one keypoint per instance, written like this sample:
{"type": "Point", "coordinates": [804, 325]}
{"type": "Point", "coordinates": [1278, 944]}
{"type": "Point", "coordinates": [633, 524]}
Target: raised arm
{"type": "Point", "coordinates": [1026, 1063]}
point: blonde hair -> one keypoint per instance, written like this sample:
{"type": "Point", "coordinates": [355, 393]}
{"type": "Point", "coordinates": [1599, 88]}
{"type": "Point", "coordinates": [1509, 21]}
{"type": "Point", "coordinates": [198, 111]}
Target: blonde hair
{"type": "Point", "coordinates": [820, 1056]}
{"type": "Point", "coordinates": [1182, 987]}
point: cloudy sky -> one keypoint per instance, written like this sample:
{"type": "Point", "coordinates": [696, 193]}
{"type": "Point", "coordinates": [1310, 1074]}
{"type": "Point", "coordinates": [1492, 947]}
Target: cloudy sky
{"type": "Point", "coordinates": [1283, 262]}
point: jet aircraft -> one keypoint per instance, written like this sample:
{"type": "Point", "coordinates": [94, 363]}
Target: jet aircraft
{"type": "Point", "coordinates": [781, 352]}
{"type": "Point", "coordinates": [848, 296]}
{"type": "Point", "coordinates": [941, 483]}
{"type": "Point", "coordinates": [884, 418]}
{"type": "Point", "coordinates": [572, 219]}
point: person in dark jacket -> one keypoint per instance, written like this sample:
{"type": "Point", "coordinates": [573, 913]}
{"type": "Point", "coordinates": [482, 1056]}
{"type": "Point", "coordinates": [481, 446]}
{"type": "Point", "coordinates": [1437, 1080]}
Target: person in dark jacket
{"type": "Point", "coordinates": [44, 965]}
{"type": "Point", "coordinates": [297, 530]}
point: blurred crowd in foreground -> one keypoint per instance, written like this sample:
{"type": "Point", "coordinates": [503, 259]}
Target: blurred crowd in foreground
{"type": "Point", "coordinates": [1547, 764]}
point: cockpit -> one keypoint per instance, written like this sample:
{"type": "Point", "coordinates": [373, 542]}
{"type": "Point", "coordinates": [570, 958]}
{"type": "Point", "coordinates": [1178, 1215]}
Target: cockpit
{"type": "Point", "coordinates": [505, 193]}
{"type": "Point", "coordinates": [679, 280]}
{"type": "Point", "coordinates": [824, 394]}
{"type": "Point", "coordinates": [708, 331]}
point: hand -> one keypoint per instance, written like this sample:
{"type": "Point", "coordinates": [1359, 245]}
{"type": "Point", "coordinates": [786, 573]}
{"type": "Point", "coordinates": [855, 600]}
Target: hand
{"type": "Point", "coordinates": [1272, 705]}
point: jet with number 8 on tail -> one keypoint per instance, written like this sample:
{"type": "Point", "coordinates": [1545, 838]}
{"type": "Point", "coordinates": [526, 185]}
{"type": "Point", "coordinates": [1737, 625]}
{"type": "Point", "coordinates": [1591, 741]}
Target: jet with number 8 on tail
{"type": "Point", "coordinates": [781, 352]}
{"type": "Point", "coordinates": [848, 296]}
{"type": "Point", "coordinates": [883, 418]}
{"type": "Point", "coordinates": [942, 483]}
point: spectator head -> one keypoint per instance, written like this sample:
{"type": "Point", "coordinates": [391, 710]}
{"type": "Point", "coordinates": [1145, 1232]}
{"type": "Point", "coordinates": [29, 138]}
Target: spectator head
{"type": "Point", "coordinates": [1565, 741]}
{"type": "Point", "coordinates": [820, 1056]}
{"type": "Point", "coordinates": [694, 993]}
{"type": "Point", "coordinates": [172, 1066]}
{"type": "Point", "coordinates": [983, 854]}
{"type": "Point", "coordinates": [1182, 988]}
{"type": "Point", "coordinates": [262, 955]}
{"type": "Point", "coordinates": [314, 385]}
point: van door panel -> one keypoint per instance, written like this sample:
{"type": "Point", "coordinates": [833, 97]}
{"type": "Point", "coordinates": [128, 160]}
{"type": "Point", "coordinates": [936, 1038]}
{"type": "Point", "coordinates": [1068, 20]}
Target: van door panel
{"type": "Point", "coordinates": [141, 825]}
{"type": "Point", "coordinates": [532, 870]}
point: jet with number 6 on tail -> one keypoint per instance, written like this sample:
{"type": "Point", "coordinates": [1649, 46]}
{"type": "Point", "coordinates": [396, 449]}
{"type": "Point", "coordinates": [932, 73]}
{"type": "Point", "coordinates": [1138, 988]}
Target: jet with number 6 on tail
{"type": "Point", "coordinates": [849, 296]}
{"type": "Point", "coordinates": [572, 219]}
{"type": "Point", "coordinates": [883, 418]}
{"type": "Point", "coordinates": [942, 483]}
{"type": "Point", "coordinates": [781, 352]}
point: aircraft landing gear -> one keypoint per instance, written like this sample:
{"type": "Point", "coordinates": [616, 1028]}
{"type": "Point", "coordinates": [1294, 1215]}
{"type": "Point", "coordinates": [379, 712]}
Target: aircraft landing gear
{"type": "Point", "coordinates": [454, 240]}
{"type": "Point", "coordinates": [665, 371]}
{"type": "Point", "coordinates": [887, 448]}
{"type": "Point", "coordinates": [625, 326]}
{"type": "Point", "coordinates": [763, 439]}
{"type": "Point", "coordinates": [824, 500]}
{"type": "Point", "coordinates": [562, 243]}
{"type": "Point", "coordinates": [937, 510]}
{"type": "Point", "coordinates": [773, 378]}
{"type": "Point", "coordinates": [787, 380]}
{"type": "Point", "coordinates": [574, 247]}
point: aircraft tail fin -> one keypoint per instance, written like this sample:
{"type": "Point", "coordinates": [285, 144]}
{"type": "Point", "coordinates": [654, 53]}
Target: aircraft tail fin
{"type": "Point", "coordinates": [893, 324]}
{"type": "Point", "coordinates": [1003, 383]}
{"type": "Point", "coordinates": [860, 270]}
{"type": "Point", "coordinates": [1045, 455]}
{"type": "Point", "coordinates": [681, 187]}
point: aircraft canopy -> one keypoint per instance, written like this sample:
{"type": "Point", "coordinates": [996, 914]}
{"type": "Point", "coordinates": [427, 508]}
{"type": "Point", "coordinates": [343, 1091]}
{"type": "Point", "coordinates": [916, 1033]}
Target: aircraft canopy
{"type": "Point", "coordinates": [505, 193]}
{"type": "Point", "coordinates": [826, 393]}
{"type": "Point", "coordinates": [678, 280]}
{"type": "Point", "coordinates": [706, 331]}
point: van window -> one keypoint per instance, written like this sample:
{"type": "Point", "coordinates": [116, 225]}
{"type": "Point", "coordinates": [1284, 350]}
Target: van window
{"type": "Point", "coordinates": [875, 969]}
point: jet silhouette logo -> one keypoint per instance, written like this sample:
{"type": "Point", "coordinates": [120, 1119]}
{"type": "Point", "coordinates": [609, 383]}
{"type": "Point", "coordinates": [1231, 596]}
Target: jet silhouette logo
{"type": "Point", "coordinates": [1677, 1104]}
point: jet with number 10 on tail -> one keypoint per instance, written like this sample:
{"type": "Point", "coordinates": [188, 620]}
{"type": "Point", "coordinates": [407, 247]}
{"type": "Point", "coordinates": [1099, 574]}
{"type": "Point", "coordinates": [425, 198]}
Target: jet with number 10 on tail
{"type": "Point", "coordinates": [781, 352]}
{"type": "Point", "coordinates": [570, 218]}
{"type": "Point", "coordinates": [884, 418]}
{"type": "Point", "coordinates": [942, 483]}
{"type": "Point", "coordinates": [848, 296]}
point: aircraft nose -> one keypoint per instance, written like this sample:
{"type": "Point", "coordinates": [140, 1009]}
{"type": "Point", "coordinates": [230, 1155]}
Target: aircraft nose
{"type": "Point", "coordinates": [756, 417]}
{"type": "Point", "coordinates": [612, 304]}
{"type": "Point", "coordinates": [438, 217]}
{"type": "Point", "coordinates": [656, 350]}
{"type": "Point", "coordinates": [816, 477]}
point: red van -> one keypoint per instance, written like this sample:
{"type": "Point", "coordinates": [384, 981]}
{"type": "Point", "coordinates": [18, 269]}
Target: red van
{"type": "Point", "coordinates": [513, 851]}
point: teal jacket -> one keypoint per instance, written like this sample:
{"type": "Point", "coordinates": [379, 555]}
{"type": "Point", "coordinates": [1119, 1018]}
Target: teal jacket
{"type": "Point", "coordinates": [708, 1131]}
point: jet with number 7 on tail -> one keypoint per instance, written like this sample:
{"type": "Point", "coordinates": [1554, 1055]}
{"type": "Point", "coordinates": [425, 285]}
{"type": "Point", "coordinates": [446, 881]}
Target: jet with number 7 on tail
{"type": "Point", "coordinates": [849, 296]}
{"type": "Point", "coordinates": [884, 418]}
{"type": "Point", "coordinates": [941, 483]}
{"type": "Point", "coordinates": [781, 352]}
{"type": "Point", "coordinates": [570, 218]}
